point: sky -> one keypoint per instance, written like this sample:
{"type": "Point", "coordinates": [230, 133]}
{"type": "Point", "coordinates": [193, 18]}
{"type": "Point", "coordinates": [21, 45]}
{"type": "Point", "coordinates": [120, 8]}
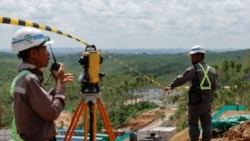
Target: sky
{"type": "Point", "coordinates": [135, 24]}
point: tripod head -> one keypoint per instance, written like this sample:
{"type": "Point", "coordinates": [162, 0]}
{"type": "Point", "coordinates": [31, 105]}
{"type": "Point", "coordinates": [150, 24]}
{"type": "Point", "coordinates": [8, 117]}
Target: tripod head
{"type": "Point", "coordinates": [90, 77]}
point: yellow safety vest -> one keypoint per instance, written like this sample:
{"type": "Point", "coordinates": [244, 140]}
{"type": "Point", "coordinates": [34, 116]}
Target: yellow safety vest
{"type": "Point", "coordinates": [205, 77]}
{"type": "Point", "coordinates": [13, 134]}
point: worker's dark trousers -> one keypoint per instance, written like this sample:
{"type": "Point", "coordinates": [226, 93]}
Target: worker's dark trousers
{"type": "Point", "coordinates": [200, 112]}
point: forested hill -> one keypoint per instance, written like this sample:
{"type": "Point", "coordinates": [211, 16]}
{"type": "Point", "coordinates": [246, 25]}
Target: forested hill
{"type": "Point", "coordinates": [125, 73]}
{"type": "Point", "coordinates": [157, 64]}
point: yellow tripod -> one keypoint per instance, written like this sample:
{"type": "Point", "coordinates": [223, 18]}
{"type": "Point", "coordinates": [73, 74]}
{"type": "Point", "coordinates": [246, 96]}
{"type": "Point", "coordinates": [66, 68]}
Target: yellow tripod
{"type": "Point", "coordinates": [91, 100]}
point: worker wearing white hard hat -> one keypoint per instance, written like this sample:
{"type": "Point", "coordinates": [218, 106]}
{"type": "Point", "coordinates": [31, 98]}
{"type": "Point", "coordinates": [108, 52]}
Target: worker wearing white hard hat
{"type": "Point", "coordinates": [197, 53]}
{"type": "Point", "coordinates": [35, 108]}
{"type": "Point", "coordinates": [197, 49]}
{"type": "Point", "coordinates": [28, 37]}
{"type": "Point", "coordinates": [202, 84]}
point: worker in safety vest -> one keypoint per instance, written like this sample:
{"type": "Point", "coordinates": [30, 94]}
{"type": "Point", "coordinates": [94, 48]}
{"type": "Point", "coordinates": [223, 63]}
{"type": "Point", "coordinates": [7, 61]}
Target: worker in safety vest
{"type": "Point", "coordinates": [203, 84]}
{"type": "Point", "coordinates": [35, 108]}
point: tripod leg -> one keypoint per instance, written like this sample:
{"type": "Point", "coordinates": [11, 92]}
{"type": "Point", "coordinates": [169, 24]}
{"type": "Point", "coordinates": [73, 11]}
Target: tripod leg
{"type": "Point", "coordinates": [74, 121]}
{"type": "Point", "coordinates": [86, 124]}
{"type": "Point", "coordinates": [92, 119]}
{"type": "Point", "coordinates": [94, 122]}
{"type": "Point", "coordinates": [106, 121]}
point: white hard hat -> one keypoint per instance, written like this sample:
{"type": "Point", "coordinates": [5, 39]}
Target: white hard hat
{"type": "Point", "coordinates": [197, 49]}
{"type": "Point", "coordinates": [28, 37]}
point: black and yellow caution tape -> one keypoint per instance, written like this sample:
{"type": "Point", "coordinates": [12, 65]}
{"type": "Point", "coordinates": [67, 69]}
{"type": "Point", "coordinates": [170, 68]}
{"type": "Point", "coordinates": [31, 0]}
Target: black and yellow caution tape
{"type": "Point", "coordinates": [132, 69]}
{"type": "Point", "coordinates": [16, 21]}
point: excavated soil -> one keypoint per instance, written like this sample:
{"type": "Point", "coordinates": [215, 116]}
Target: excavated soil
{"type": "Point", "coordinates": [63, 121]}
{"type": "Point", "coordinates": [236, 133]}
{"type": "Point", "coordinates": [144, 119]}
{"type": "Point", "coordinates": [240, 132]}
{"type": "Point", "coordinates": [138, 122]}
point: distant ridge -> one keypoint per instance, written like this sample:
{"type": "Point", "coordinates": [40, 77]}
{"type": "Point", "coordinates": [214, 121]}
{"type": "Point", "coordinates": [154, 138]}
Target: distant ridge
{"type": "Point", "coordinates": [71, 50]}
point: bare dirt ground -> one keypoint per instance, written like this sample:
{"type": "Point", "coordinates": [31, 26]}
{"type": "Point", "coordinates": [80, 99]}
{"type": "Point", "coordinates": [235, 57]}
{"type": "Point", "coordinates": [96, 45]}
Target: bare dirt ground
{"type": "Point", "coordinates": [146, 119]}
{"type": "Point", "coordinates": [63, 121]}
{"type": "Point", "coordinates": [183, 135]}
{"type": "Point", "coordinates": [138, 122]}
{"type": "Point", "coordinates": [238, 133]}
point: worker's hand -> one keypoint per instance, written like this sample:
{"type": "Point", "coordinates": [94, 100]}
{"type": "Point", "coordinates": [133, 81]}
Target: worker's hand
{"type": "Point", "coordinates": [58, 75]}
{"type": "Point", "coordinates": [61, 77]}
{"type": "Point", "coordinates": [68, 77]}
{"type": "Point", "coordinates": [167, 88]}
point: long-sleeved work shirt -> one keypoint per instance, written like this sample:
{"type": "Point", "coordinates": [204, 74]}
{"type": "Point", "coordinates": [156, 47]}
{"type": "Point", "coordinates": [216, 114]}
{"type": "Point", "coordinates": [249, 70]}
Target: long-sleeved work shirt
{"type": "Point", "coordinates": [35, 109]}
{"type": "Point", "coordinates": [190, 75]}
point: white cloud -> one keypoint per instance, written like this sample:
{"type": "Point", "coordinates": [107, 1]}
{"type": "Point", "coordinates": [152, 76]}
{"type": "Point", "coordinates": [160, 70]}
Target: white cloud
{"type": "Point", "coordinates": [137, 23]}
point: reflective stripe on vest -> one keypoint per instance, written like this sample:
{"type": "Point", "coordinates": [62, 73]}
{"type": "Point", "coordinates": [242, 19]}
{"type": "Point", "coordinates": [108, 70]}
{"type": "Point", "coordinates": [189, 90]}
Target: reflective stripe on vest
{"type": "Point", "coordinates": [205, 77]}
{"type": "Point", "coordinates": [12, 87]}
{"type": "Point", "coordinates": [13, 134]}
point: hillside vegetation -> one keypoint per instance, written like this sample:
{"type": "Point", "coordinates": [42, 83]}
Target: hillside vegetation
{"type": "Point", "coordinates": [128, 73]}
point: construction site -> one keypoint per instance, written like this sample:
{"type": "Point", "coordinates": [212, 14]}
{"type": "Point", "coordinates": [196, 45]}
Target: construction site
{"type": "Point", "coordinates": [150, 122]}
{"type": "Point", "coordinates": [230, 122]}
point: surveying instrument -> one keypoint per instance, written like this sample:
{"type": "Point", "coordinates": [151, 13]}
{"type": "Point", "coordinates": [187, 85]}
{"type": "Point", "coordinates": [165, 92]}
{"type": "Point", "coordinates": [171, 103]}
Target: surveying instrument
{"type": "Point", "coordinates": [91, 97]}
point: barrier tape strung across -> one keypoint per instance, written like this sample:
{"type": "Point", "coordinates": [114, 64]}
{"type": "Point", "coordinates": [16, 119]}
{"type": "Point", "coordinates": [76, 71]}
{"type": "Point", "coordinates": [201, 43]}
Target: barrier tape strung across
{"type": "Point", "coordinates": [15, 21]}
{"type": "Point", "coordinates": [132, 69]}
